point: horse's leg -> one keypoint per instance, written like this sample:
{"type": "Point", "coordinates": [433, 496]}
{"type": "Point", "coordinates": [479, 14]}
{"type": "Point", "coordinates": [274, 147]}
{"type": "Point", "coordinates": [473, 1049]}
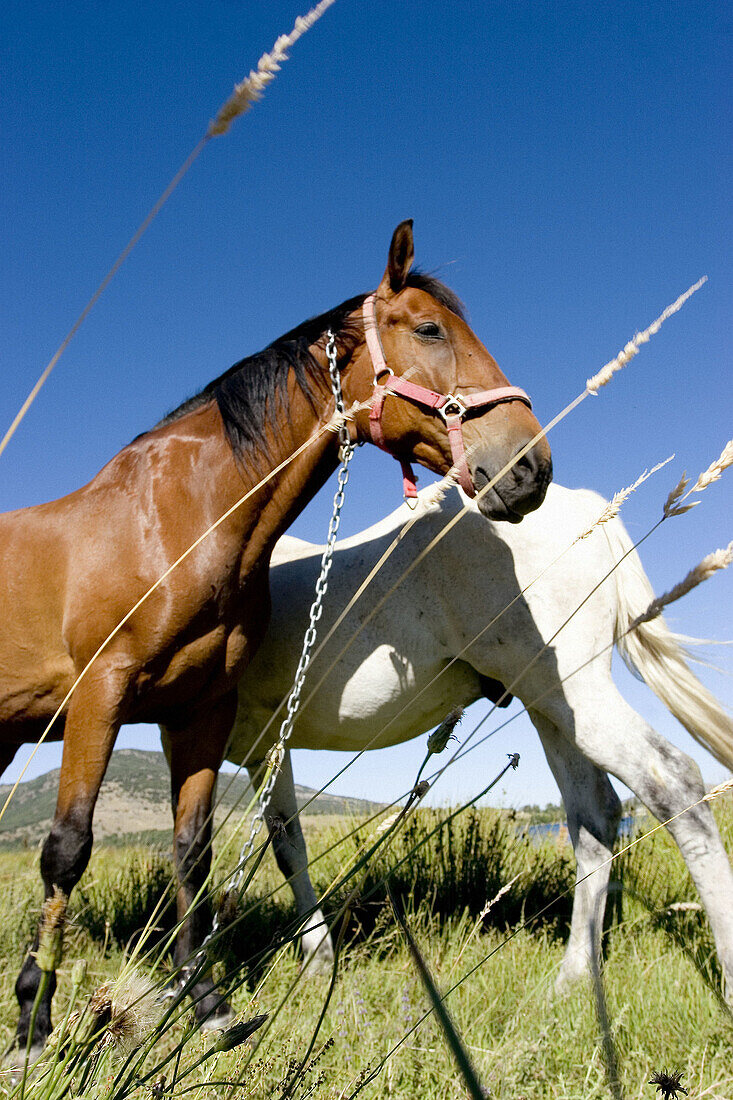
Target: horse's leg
{"type": "Point", "coordinates": [292, 858]}
{"type": "Point", "coordinates": [618, 740]}
{"type": "Point", "coordinates": [593, 811]}
{"type": "Point", "coordinates": [91, 727]}
{"type": "Point", "coordinates": [196, 753]}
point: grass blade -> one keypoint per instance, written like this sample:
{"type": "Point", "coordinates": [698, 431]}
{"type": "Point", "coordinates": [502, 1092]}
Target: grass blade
{"type": "Point", "coordinates": [453, 1039]}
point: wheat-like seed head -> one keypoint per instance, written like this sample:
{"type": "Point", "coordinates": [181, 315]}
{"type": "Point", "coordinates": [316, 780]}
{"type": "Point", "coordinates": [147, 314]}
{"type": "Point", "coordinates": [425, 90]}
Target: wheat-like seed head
{"type": "Point", "coordinates": [436, 492]}
{"type": "Point", "coordinates": [275, 756]}
{"type": "Point", "coordinates": [505, 889]}
{"type": "Point", "coordinates": [722, 788]}
{"type": "Point", "coordinates": [714, 471]}
{"type": "Point", "coordinates": [719, 559]}
{"type": "Point", "coordinates": [338, 419]}
{"type": "Point", "coordinates": [614, 505]}
{"type": "Point", "coordinates": [51, 932]}
{"type": "Point", "coordinates": [605, 374]}
{"type": "Point", "coordinates": [671, 507]}
{"type": "Point", "coordinates": [253, 86]}
{"type": "Point", "coordinates": [54, 910]}
{"type": "Point", "coordinates": [674, 504]}
{"type": "Point", "coordinates": [386, 824]}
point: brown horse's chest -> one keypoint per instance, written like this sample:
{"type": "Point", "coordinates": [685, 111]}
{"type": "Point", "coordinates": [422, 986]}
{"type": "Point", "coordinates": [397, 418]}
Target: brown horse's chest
{"type": "Point", "coordinates": [208, 660]}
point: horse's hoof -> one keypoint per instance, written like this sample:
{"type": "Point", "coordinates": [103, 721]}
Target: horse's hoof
{"type": "Point", "coordinates": [15, 1061]}
{"type": "Point", "coordinates": [319, 964]}
{"type": "Point", "coordinates": [568, 980]}
{"type": "Point", "coordinates": [218, 1022]}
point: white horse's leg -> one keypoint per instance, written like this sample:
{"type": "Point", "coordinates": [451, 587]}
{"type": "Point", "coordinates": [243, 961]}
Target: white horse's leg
{"type": "Point", "coordinates": [593, 811]}
{"type": "Point", "coordinates": [619, 741]}
{"type": "Point", "coordinates": [288, 845]}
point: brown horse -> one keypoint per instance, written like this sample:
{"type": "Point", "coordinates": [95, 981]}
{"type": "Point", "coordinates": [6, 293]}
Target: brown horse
{"type": "Point", "coordinates": [73, 568]}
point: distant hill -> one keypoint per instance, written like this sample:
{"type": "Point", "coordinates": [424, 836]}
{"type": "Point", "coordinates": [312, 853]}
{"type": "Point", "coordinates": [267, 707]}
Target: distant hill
{"type": "Point", "coordinates": [134, 803]}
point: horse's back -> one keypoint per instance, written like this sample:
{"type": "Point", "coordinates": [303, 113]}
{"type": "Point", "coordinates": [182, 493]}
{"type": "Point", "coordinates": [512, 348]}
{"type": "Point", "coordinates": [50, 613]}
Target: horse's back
{"type": "Point", "coordinates": [288, 548]}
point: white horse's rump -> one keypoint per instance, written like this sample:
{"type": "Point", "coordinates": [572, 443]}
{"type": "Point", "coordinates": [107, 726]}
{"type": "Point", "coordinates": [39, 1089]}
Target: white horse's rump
{"type": "Point", "coordinates": [383, 690]}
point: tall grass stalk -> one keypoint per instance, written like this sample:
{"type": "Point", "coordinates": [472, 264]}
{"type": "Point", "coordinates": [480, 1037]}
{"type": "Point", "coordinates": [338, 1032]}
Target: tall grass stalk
{"type": "Point", "coordinates": [463, 1061]}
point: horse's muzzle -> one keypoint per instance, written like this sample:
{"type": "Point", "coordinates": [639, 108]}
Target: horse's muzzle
{"type": "Point", "coordinates": [519, 491]}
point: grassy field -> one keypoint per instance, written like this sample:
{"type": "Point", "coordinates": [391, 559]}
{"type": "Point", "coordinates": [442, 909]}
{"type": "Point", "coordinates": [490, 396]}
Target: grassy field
{"type": "Point", "coordinates": [660, 980]}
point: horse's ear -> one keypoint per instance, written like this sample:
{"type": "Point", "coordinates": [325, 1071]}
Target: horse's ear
{"type": "Point", "coordinates": [401, 255]}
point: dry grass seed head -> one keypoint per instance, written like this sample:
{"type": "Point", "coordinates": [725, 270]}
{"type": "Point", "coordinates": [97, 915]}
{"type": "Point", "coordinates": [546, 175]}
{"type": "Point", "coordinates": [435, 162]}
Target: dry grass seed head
{"type": "Point", "coordinates": [671, 507]}
{"type": "Point", "coordinates": [722, 788]}
{"type": "Point", "coordinates": [714, 471]}
{"type": "Point", "coordinates": [51, 932]}
{"type": "Point", "coordinates": [253, 86]}
{"type": "Point", "coordinates": [613, 507]}
{"type": "Point", "coordinates": [436, 492]}
{"type": "Point", "coordinates": [719, 559]}
{"type": "Point", "coordinates": [706, 478]}
{"type": "Point", "coordinates": [605, 374]}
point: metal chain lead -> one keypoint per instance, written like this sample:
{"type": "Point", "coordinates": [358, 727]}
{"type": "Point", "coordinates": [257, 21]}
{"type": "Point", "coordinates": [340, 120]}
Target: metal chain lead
{"type": "Point", "coordinates": [277, 753]}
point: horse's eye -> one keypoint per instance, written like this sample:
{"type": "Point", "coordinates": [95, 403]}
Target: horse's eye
{"type": "Point", "coordinates": [429, 331]}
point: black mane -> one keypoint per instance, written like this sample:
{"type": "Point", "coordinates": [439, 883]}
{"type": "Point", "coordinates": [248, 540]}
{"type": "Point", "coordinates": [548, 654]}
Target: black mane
{"type": "Point", "coordinates": [249, 393]}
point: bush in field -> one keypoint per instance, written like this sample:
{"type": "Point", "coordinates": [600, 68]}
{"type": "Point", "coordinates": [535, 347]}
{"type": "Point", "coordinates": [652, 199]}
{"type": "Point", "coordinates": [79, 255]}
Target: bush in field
{"type": "Point", "coordinates": [448, 866]}
{"type": "Point", "coordinates": [457, 866]}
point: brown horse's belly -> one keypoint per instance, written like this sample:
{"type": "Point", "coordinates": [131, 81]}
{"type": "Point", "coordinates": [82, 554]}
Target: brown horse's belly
{"type": "Point", "coordinates": [27, 701]}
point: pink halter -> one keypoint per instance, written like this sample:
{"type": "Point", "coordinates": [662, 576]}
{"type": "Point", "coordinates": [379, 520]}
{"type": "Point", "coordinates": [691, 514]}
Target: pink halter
{"type": "Point", "coordinates": [450, 406]}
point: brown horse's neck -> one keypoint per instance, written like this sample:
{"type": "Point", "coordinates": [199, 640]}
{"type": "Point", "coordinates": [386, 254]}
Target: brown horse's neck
{"type": "Point", "coordinates": [198, 441]}
{"type": "Point", "coordinates": [303, 434]}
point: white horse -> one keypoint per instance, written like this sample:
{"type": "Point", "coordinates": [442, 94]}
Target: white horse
{"type": "Point", "coordinates": [395, 682]}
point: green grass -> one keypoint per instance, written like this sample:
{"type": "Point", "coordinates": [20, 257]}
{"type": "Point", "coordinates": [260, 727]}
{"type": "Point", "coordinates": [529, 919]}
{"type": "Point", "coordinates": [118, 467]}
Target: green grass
{"type": "Point", "coordinates": [523, 1040]}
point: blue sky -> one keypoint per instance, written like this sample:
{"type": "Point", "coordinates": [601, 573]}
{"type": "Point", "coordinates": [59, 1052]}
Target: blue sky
{"type": "Point", "coordinates": [567, 169]}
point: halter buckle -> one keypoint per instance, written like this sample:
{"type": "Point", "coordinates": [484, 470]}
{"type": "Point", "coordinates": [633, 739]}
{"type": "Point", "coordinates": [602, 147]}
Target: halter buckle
{"type": "Point", "coordinates": [452, 406]}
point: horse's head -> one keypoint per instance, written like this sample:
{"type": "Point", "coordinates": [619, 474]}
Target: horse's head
{"type": "Point", "coordinates": [438, 391]}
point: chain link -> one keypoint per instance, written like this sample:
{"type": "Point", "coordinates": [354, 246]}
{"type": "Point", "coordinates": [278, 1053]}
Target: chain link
{"type": "Point", "coordinates": [277, 753]}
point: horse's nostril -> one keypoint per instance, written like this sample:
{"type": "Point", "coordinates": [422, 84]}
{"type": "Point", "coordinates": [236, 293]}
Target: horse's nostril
{"type": "Point", "coordinates": [527, 467]}
{"type": "Point", "coordinates": [533, 469]}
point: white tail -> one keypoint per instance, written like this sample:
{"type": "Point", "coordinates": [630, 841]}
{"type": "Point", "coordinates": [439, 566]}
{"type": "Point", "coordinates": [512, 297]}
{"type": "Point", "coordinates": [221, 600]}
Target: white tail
{"type": "Point", "coordinates": [655, 654]}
